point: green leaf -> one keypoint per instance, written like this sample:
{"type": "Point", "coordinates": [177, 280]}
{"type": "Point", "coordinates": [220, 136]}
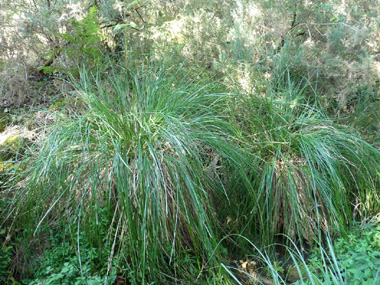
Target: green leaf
{"type": "Point", "coordinates": [122, 26]}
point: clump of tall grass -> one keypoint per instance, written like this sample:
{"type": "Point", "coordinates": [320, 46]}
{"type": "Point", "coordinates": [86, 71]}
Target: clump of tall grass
{"type": "Point", "coordinates": [147, 149]}
{"type": "Point", "coordinates": [140, 150]}
{"type": "Point", "coordinates": [307, 172]}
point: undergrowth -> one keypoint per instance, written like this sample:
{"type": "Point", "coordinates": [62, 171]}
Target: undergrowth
{"type": "Point", "coordinates": [73, 260]}
{"type": "Point", "coordinates": [221, 142]}
{"type": "Point", "coordinates": [159, 168]}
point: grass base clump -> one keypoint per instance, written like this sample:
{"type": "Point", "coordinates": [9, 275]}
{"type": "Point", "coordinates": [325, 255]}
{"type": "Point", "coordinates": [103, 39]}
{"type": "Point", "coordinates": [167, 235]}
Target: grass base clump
{"type": "Point", "coordinates": [306, 170]}
{"type": "Point", "coordinates": [140, 149]}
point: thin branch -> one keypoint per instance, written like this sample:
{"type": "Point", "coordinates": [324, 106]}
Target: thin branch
{"type": "Point", "coordinates": [138, 13]}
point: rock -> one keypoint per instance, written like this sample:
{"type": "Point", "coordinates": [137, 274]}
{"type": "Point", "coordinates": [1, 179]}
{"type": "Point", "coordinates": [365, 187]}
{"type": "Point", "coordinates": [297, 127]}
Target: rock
{"type": "Point", "coordinates": [13, 142]}
{"type": "Point", "coordinates": [294, 275]}
{"type": "Point", "coordinates": [12, 145]}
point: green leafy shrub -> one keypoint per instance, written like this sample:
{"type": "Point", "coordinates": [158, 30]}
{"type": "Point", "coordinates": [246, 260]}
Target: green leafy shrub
{"type": "Point", "coordinates": [60, 263]}
{"type": "Point", "coordinates": [84, 40]}
{"type": "Point", "coordinates": [354, 259]}
{"type": "Point", "coordinates": [82, 43]}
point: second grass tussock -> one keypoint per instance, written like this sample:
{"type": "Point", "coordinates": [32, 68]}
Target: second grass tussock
{"type": "Point", "coordinates": [307, 172]}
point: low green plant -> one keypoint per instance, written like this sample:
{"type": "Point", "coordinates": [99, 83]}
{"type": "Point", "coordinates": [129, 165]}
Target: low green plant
{"type": "Point", "coordinates": [354, 259]}
{"type": "Point", "coordinates": [5, 259]}
{"type": "Point", "coordinates": [60, 263]}
{"type": "Point", "coordinates": [83, 41]}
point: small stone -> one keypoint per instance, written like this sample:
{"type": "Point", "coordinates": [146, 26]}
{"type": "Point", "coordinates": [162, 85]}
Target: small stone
{"type": "Point", "coordinates": [11, 146]}
{"type": "Point", "coordinates": [13, 142]}
{"type": "Point", "coordinates": [293, 274]}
